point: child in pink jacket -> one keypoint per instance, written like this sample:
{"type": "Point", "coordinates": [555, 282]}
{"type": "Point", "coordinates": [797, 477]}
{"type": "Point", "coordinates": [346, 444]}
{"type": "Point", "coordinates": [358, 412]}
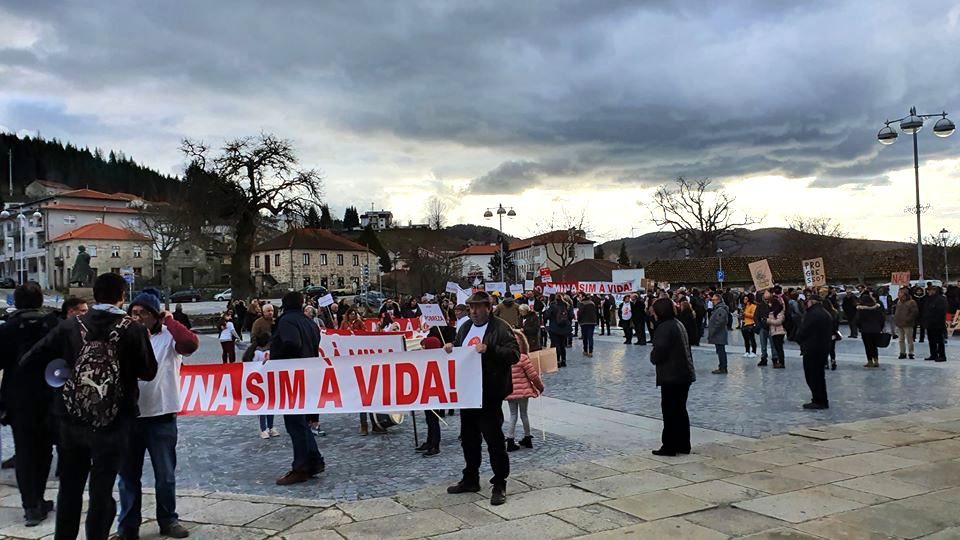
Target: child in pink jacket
{"type": "Point", "coordinates": [526, 385]}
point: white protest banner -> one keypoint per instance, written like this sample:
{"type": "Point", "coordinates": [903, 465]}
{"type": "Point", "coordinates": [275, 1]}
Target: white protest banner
{"type": "Point", "coordinates": [604, 287]}
{"type": "Point", "coordinates": [336, 345]}
{"type": "Point", "coordinates": [761, 274]}
{"type": "Point", "coordinates": [405, 381]}
{"type": "Point", "coordinates": [550, 289]}
{"type": "Point", "coordinates": [528, 284]}
{"type": "Point", "coordinates": [429, 297]}
{"type": "Point", "coordinates": [462, 296]}
{"type": "Point", "coordinates": [325, 301]}
{"type": "Point", "coordinates": [452, 287]}
{"type": "Point", "coordinates": [433, 315]}
{"type": "Point", "coordinates": [516, 289]}
{"type": "Point", "coordinates": [545, 276]}
{"type": "Point", "coordinates": [814, 274]}
{"type": "Point", "coordinates": [497, 286]}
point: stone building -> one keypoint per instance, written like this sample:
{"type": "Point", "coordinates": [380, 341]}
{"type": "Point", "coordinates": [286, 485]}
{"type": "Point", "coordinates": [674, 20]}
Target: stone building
{"type": "Point", "coordinates": [110, 248]}
{"type": "Point", "coordinates": [301, 257]}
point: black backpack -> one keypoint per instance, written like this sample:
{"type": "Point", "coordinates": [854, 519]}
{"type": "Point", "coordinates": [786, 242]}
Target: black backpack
{"type": "Point", "coordinates": [93, 392]}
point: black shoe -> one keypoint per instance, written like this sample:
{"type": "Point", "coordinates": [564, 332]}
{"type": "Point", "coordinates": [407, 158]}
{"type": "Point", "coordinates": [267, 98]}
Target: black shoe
{"type": "Point", "coordinates": [664, 452]}
{"type": "Point", "coordinates": [911, 357]}
{"type": "Point", "coordinates": [527, 442]}
{"type": "Point", "coordinates": [435, 451]}
{"type": "Point", "coordinates": [422, 448]}
{"type": "Point", "coordinates": [512, 445]}
{"type": "Point", "coordinates": [627, 342]}
{"type": "Point", "coordinates": [761, 363]}
{"type": "Point", "coordinates": [464, 487]}
{"type": "Point", "coordinates": [815, 406]}
{"type": "Point", "coordinates": [10, 463]}
{"type": "Point", "coordinates": [929, 358]}
{"type": "Point", "coordinates": [902, 357]}
{"type": "Point", "coordinates": [719, 372]}
{"type": "Point", "coordinates": [940, 360]}
{"type": "Point", "coordinates": [499, 496]}
{"type": "Point", "coordinates": [174, 530]}
{"type": "Point", "coordinates": [833, 365]}
{"type": "Point", "coordinates": [34, 516]}
{"type": "Point", "coordinates": [125, 536]}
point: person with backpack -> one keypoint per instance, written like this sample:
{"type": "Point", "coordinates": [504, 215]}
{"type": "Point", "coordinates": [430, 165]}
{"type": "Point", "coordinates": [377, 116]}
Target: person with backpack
{"type": "Point", "coordinates": [25, 400]}
{"type": "Point", "coordinates": [557, 317]}
{"type": "Point", "coordinates": [106, 353]}
{"type": "Point", "coordinates": [155, 431]}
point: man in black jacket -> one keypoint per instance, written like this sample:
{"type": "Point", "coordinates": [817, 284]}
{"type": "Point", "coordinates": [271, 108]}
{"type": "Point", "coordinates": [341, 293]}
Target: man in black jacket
{"type": "Point", "coordinates": [25, 400]}
{"type": "Point", "coordinates": [494, 340]}
{"type": "Point", "coordinates": [675, 373]}
{"type": "Point", "coordinates": [296, 336]}
{"type": "Point", "coordinates": [84, 450]}
{"type": "Point", "coordinates": [760, 321]}
{"type": "Point", "coordinates": [935, 319]}
{"type": "Point", "coordinates": [814, 337]}
{"type": "Point", "coordinates": [640, 318]}
{"type": "Point", "coordinates": [849, 306]}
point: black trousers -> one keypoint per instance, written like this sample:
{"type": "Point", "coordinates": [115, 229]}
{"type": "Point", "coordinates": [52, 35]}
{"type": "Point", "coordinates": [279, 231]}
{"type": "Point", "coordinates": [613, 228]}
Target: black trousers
{"type": "Point", "coordinates": [604, 323]}
{"type": "Point", "coordinates": [816, 377]}
{"type": "Point", "coordinates": [628, 332]}
{"type": "Point", "coordinates": [870, 344]}
{"type": "Point", "coordinates": [676, 421]}
{"type": "Point", "coordinates": [477, 426]}
{"type": "Point", "coordinates": [936, 336]}
{"type": "Point", "coordinates": [33, 440]}
{"type": "Point", "coordinates": [84, 452]}
{"type": "Point", "coordinates": [640, 328]}
{"type": "Point", "coordinates": [433, 428]}
{"type": "Point", "coordinates": [559, 343]}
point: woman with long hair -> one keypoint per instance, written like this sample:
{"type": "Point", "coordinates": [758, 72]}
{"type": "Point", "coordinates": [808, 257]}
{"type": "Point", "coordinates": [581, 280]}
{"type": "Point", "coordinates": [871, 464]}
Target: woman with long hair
{"type": "Point", "coordinates": [835, 336]}
{"type": "Point", "coordinates": [352, 322]}
{"type": "Point", "coordinates": [870, 321]}
{"type": "Point", "coordinates": [748, 326]}
{"type": "Point", "coordinates": [688, 317]}
{"type": "Point", "coordinates": [558, 317]}
{"type": "Point", "coordinates": [777, 332]}
{"type": "Point", "coordinates": [228, 338]}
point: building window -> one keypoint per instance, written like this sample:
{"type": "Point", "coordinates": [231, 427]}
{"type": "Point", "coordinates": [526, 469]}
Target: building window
{"type": "Point", "coordinates": [306, 259]}
{"type": "Point", "coordinates": [356, 260]}
{"type": "Point", "coordinates": [356, 282]}
{"type": "Point", "coordinates": [133, 222]}
{"type": "Point", "coordinates": [137, 271]}
{"type": "Point", "coordinates": [572, 252]}
{"type": "Point", "coordinates": [340, 259]}
{"type": "Point", "coordinates": [31, 242]}
{"type": "Point", "coordinates": [91, 250]}
{"type": "Point", "coordinates": [115, 252]}
{"type": "Point", "coordinates": [256, 261]}
{"type": "Point", "coordinates": [137, 252]}
{"type": "Point", "coordinates": [339, 282]}
{"type": "Point", "coordinates": [68, 252]}
{"type": "Point", "coordinates": [115, 270]}
{"type": "Point", "coordinates": [323, 259]}
{"type": "Point", "coordinates": [69, 220]}
{"type": "Point", "coordinates": [276, 260]}
{"type": "Point", "coordinates": [323, 282]}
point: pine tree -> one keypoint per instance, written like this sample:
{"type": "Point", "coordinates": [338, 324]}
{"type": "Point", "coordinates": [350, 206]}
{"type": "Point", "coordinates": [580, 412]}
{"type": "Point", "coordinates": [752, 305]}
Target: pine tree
{"type": "Point", "coordinates": [369, 239]}
{"type": "Point", "coordinates": [326, 222]}
{"type": "Point", "coordinates": [598, 253]}
{"type": "Point", "coordinates": [313, 220]}
{"type": "Point", "coordinates": [351, 218]}
{"type": "Point", "coordinates": [623, 258]}
{"type": "Point", "coordinates": [509, 267]}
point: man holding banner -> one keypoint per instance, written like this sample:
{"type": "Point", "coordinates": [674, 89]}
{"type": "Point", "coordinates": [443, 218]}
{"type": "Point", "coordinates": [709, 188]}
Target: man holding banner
{"type": "Point", "coordinates": [494, 340]}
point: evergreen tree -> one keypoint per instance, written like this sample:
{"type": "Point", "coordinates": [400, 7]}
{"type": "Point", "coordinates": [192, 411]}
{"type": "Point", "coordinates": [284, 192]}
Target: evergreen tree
{"type": "Point", "coordinates": [369, 239]}
{"type": "Point", "coordinates": [623, 258]}
{"type": "Point", "coordinates": [312, 220]}
{"type": "Point", "coordinates": [326, 222]}
{"type": "Point", "coordinates": [351, 218]}
{"type": "Point", "coordinates": [509, 267]}
{"type": "Point", "coordinates": [598, 253]}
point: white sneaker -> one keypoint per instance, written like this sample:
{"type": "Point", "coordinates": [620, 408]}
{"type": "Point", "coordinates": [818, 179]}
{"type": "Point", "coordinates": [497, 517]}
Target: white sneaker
{"type": "Point", "coordinates": [746, 355]}
{"type": "Point", "coordinates": [264, 435]}
{"type": "Point", "coordinates": [273, 432]}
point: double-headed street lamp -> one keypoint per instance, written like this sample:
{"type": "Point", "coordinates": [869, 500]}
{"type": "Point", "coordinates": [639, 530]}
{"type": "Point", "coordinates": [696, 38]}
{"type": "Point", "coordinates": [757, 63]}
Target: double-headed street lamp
{"type": "Point", "coordinates": [944, 236]}
{"type": "Point", "coordinates": [501, 211]}
{"type": "Point", "coordinates": [22, 219]}
{"type": "Point", "coordinates": [910, 125]}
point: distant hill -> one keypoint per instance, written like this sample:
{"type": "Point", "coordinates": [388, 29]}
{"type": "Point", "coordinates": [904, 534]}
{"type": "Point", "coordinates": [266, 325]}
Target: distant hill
{"type": "Point", "coordinates": [451, 238]}
{"type": "Point", "coordinates": [111, 172]}
{"type": "Point", "coordinates": [768, 241]}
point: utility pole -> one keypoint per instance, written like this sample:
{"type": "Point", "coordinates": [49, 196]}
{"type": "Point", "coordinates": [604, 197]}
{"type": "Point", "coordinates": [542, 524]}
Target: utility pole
{"type": "Point", "coordinates": [10, 169]}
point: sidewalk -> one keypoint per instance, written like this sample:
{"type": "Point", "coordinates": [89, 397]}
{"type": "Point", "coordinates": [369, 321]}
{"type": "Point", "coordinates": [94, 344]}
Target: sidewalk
{"type": "Point", "coordinates": [893, 477]}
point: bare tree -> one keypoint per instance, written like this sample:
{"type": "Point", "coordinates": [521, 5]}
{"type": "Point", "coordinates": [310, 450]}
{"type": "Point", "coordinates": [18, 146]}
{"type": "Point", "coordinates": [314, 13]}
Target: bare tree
{"type": "Point", "coordinates": [701, 219]}
{"type": "Point", "coordinates": [436, 213]}
{"type": "Point", "coordinates": [821, 226]}
{"type": "Point", "coordinates": [255, 176]}
{"type": "Point", "coordinates": [165, 226]}
{"type": "Point", "coordinates": [561, 235]}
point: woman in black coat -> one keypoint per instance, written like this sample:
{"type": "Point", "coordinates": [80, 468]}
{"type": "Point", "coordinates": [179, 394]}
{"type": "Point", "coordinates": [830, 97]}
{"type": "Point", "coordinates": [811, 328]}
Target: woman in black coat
{"type": "Point", "coordinates": [689, 319]}
{"type": "Point", "coordinates": [870, 321]}
{"type": "Point", "coordinates": [671, 354]}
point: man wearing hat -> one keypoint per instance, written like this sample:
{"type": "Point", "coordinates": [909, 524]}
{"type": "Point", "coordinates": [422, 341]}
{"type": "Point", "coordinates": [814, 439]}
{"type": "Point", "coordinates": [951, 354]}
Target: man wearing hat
{"type": "Point", "coordinates": [155, 431]}
{"type": "Point", "coordinates": [494, 340]}
{"type": "Point", "coordinates": [815, 336]}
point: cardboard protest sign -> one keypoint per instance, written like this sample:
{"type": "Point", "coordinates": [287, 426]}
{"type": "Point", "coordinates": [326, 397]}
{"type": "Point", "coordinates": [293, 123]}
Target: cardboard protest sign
{"type": "Point", "coordinates": [462, 296]}
{"type": "Point", "coordinates": [452, 287]}
{"type": "Point", "coordinates": [400, 381]}
{"type": "Point", "coordinates": [433, 315]}
{"type": "Point", "coordinates": [900, 278]}
{"type": "Point", "coordinates": [497, 286]}
{"type": "Point", "coordinates": [528, 285]}
{"type": "Point", "coordinates": [761, 274]}
{"type": "Point", "coordinates": [325, 301]}
{"type": "Point", "coordinates": [545, 275]}
{"type": "Point", "coordinates": [814, 274]}
{"type": "Point", "coordinates": [516, 289]}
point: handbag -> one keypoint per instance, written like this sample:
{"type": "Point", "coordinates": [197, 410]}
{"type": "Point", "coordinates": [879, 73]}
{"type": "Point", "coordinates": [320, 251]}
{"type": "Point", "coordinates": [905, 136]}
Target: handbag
{"type": "Point", "coordinates": [883, 340]}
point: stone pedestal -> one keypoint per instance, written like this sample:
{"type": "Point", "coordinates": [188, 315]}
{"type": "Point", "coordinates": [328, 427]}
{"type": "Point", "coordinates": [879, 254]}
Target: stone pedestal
{"type": "Point", "coordinates": [82, 292]}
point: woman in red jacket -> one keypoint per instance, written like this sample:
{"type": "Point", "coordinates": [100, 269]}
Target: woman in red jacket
{"type": "Point", "coordinates": [526, 385]}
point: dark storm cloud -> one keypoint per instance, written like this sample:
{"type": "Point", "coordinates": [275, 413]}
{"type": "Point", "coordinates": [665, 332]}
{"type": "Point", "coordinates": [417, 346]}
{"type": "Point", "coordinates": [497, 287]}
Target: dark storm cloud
{"type": "Point", "coordinates": [625, 93]}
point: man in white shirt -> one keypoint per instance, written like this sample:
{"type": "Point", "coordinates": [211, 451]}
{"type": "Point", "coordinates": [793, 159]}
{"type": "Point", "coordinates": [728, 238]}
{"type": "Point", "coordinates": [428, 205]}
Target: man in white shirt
{"type": "Point", "coordinates": [460, 312]}
{"type": "Point", "coordinates": [155, 431]}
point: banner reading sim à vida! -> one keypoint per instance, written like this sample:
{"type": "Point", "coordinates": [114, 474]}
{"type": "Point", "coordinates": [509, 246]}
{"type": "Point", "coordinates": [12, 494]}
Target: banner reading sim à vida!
{"type": "Point", "coordinates": [398, 381]}
{"type": "Point", "coordinates": [587, 287]}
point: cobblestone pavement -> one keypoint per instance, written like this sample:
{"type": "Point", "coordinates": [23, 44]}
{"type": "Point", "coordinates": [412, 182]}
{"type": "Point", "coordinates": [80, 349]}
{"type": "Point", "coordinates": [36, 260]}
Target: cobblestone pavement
{"type": "Point", "coordinates": [890, 478]}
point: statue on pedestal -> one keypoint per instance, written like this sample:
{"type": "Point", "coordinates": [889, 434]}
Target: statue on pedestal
{"type": "Point", "coordinates": [80, 274]}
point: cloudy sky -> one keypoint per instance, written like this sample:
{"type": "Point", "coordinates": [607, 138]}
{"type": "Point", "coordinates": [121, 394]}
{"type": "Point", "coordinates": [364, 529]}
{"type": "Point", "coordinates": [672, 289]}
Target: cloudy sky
{"type": "Point", "coordinates": [567, 106]}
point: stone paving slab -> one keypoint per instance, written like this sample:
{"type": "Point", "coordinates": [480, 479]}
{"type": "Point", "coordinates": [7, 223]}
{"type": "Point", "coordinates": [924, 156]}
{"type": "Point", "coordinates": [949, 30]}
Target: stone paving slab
{"type": "Point", "coordinates": [734, 521]}
{"type": "Point", "coordinates": [541, 501]}
{"type": "Point", "coordinates": [658, 504]}
{"type": "Point", "coordinates": [664, 528]}
{"type": "Point", "coordinates": [719, 492]}
{"type": "Point", "coordinates": [542, 527]}
{"type": "Point", "coordinates": [798, 506]}
{"type": "Point", "coordinates": [625, 485]}
{"type": "Point", "coordinates": [403, 526]}
{"type": "Point", "coordinates": [596, 518]}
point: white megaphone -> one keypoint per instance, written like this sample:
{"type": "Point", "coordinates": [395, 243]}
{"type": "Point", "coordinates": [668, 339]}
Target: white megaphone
{"type": "Point", "coordinates": [57, 373]}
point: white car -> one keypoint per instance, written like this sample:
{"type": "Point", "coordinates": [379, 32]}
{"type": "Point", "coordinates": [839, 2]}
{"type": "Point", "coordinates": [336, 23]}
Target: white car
{"type": "Point", "coordinates": [224, 296]}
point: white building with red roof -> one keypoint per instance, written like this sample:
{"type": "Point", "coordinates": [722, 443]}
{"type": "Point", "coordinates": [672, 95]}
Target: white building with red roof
{"type": "Point", "coordinates": [110, 248]}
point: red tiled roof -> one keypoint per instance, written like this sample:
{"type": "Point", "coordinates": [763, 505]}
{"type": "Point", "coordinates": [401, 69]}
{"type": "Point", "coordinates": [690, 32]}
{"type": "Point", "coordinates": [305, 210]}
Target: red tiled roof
{"type": "Point", "coordinates": [482, 249]}
{"type": "Point", "coordinates": [126, 196]}
{"type": "Point", "coordinates": [310, 239]}
{"type": "Point", "coordinates": [54, 185]}
{"type": "Point", "coordinates": [90, 208]}
{"type": "Point", "coordinates": [93, 194]}
{"type": "Point", "coordinates": [552, 237]}
{"type": "Point", "coordinates": [100, 231]}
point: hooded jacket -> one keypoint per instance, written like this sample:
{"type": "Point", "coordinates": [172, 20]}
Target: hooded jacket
{"type": "Point", "coordinates": [671, 354]}
{"type": "Point", "coordinates": [24, 390]}
{"type": "Point", "coordinates": [870, 319]}
{"type": "Point", "coordinates": [526, 380]}
{"type": "Point", "coordinates": [717, 327]}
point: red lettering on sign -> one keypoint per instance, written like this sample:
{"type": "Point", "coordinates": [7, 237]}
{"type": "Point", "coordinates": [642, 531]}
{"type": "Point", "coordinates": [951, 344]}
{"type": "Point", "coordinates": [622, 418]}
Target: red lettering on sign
{"type": "Point", "coordinates": [330, 390]}
{"type": "Point", "coordinates": [365, 386]}
{"type": "Point", "coordinates": [432, 384]}
{"type": "Point", "coordinates": [452, 372]}
{"type": "Point", "coordinates": [387, 389]}
{"type": "Point", "coordinates": [292, 391]}
{"type": "Point", "coordinates": [257, 396]}
{"type": "Point", "coordinates": [407, 395]}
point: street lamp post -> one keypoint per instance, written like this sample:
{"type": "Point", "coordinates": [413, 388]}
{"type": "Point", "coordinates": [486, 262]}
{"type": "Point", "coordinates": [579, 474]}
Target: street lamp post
{"type": "Point", "coordinates": [944, 236]}
{"type": "Point", "coordinates": [910, 125]}
{"type": "Point", "coordinates": [501, 211]}
{"type": "Point", "coordinates": [720, 261]}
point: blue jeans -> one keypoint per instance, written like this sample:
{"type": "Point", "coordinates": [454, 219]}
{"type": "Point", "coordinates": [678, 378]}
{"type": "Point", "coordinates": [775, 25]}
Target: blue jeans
{"type": "Point", "coordinates": [306, 455]}
{"type": "Point", "coordinates": [159, 438]}
{"type": "Point", "coordinates": [764, 334]}
{"type": "Point", "coordinates": [722, 355]}
{"type": "Point", "coordinates": [588, 337]}
{"type": "Point", "coordinates": [266, 422]}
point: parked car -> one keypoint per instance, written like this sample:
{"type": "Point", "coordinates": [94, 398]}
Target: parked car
{"type": "Point", "coordinates": [156, 291]}
{"type": "Point", "coordinates": [186, 295]}
{"type": "Point", "coordinates": [369, 298]}
{"type": "Point", "coordinates": [224, 296]}
{"type": "Point", "coordinates": [7, 283]}
{"type": "Point", "coordinates": [314, 291]}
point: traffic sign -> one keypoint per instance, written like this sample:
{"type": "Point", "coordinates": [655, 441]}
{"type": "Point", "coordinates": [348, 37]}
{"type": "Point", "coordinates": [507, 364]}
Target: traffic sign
{"type": "Point", "coordinates": [720, 276]}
